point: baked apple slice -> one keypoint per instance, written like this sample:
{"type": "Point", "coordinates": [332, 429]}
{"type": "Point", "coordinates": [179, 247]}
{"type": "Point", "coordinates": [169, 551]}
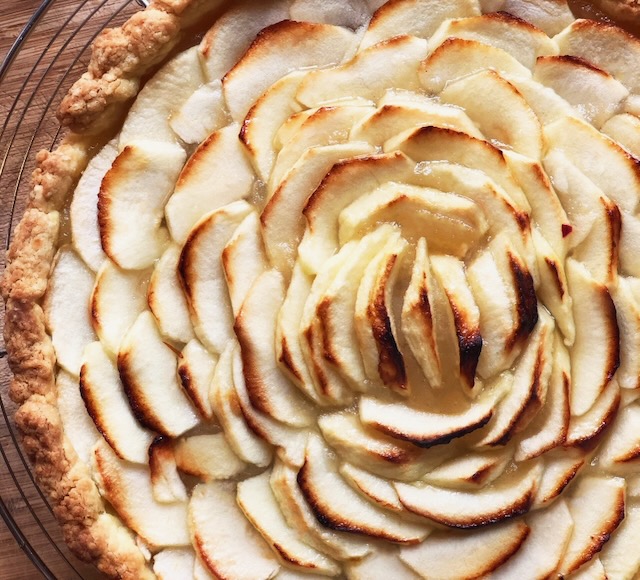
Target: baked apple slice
{"type": "Point", "coordinates": [170, 563]}
{"type": "Point", "coordinates": [207, 457]}
{"type": "Point", "coordinates": [167, 485]}
{"type": "Point", "coordinates": [382, 564]}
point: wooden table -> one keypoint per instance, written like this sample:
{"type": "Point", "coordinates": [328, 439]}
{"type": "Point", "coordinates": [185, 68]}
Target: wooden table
{"type": "Point", "coordinates": [36, 76]}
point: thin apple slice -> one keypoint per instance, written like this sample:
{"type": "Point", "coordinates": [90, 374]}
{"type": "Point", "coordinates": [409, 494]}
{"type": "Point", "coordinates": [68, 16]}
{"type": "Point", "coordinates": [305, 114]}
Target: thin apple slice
{"type": "Point", "coordinates": [528, 391]}
{"type": "Point", "coordinates": [597, 506]}
{"type": "Point", "coordinates": [374, 488]}
{"type": "Point", "coordinates": [583, 39]}
{"type": "Point", "coordinates": [455, 58]}
{"type": "Point", "coordinates": [259, 505]}
{"type": "Point", "coordinates": [207, 457]}
{"type": "Point", "coordinates": [201, 114]}
{"type": "Point", "coordinates": [562, 465]}
{"type": "Point", "coordinates": [148, 369]}
{"type": "Point", "coordinates": [269, 390]}
{"type": "Point", "coordinates": [290, 443]}
{"type": "Point", "coordinates": [70, 285]}
{"type": "Point", "coordinates": [337, 506]}
{"type": "Point", "coordinates": [416, 17]}
{"type": "Point", "coordinates": [624, 130]}
{"type": "Point", "coordinates": [226, 404]}
{"type": "Point", "coordinates": [299, 516]}
{"type": "Point", "coordinates": [581, 143]}
{"type": "Point", "coordinates": [548, 15]}
{"type": "Point", "coordinates": [499, 29]}
{"type": "Point", "coordinates": [244, 260]}
{"type": "Point", "coordinates": [108, 406]}
{"type": "Point", "coordinates": [423, 428]}
{"type": "Point", "coordinates": [595, 356]}
{"type": "Point", "coordinates": [470, 471]}
{"type": "Point", "coordinates": [619, 557]}
{"type": "Point", "coordinates": [470, 554]}
{"type": "Point", "coordinates": [383, 123]}
{"type": "Point", "coordinates": [587, 427]}
{"type": "Point", "coordinates": [171, 563]}
{"type": "Point", "coordinates": [352, 13]}
{"type": "Point", "coordinates": [509, 496]}
{"type": "Point", "coordinates": [592, 570]}
{"type": "Point", "coordinates": [226, 543]}
{"type": "Point", "coordinates": [628, 317]}
{"type": "Point", "coordinates": [441, 144]}
{"type": "Point", "coordinates": [375, 325]}
{"type": "Point", "coordinates": [218, 173]}
{"type": "Point", "coordinates": [282, 220]}
{"type": "Point", "coordinates": [165, 479]}
{"type": "Point", "coordinates": [196, 366]}
{"type": "Point", "coordinates": [270, 112]}
{"type": "Point", "coordinates": [450, 223]}
{"type": "Point", "coordinates": [629, 263]}
{"type": "Point", "coordinates": [619, 454]}
{"type": "Point", "coordinates": [499, 110]}
{"type": "Point", "coordinates": [289, 351]}
{"type": "Point", "coordinates": [382, 564]}
{"type": "Point", "coordinates": [326, 126]}
{"type": "Point", "coordinates": [202, 274]}
{"type": "Point", "coordinates": [346, 182]}
{"type": "Point", "coordinates": [540, 554]}
{"type": "Point", "coordinates": [163, 95]}
{"type": "Point", "coordinates": [119, 297]}
{"type": "Point", "coordinates": [166, 299]}
{"type": "Point", "coordinates": [337, 313]}
{"type": "Point", "coordinates": [391, 63]}
{"type": "Point", "coordinates": [128, 489]}
{"type": "Point", "coordinates": [269, 58]}
{"type": "Point", "coordinates": [451, 275]}
{"type": "Point", "coordinates": [371, 450]}
{"type": "Point", "coordinates": [418, 317]}
{"type": "Point", "coordinates": [595, 93]}
{"type": "Point", "coordinates": [550, 427]}
{"type": "Point", "coordinates": [132, 199]}
{"type": "Point", "coordinates": [78, 425]}
{"type": "Point", "coordinates": [85, 232]}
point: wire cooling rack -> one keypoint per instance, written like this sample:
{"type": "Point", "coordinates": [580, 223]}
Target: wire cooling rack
{"type": "Point", "coordinates": [50, 52]}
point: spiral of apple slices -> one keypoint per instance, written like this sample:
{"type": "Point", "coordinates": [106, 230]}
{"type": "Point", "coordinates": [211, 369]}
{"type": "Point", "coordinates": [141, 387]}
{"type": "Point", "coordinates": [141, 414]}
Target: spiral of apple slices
{"type": "Point", "coordinates": [378, 313]}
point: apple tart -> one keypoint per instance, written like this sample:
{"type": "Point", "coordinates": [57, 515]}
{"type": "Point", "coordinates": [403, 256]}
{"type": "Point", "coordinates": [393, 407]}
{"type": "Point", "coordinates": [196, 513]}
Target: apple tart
{"type": "Point", "coordinates": [339, 288]}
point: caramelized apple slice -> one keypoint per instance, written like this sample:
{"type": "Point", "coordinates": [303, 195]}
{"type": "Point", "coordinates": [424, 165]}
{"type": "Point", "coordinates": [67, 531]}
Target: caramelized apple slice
{"type": "Point", "coordinates": [628, 317]}
{"type": "Point", "coordinates": [372, 487]}
{"type": "Point", "coordinates": [196, 366]}
{"type": "Point", "coordinates": [592, 91]}
{"type": "Point", "coordinates": [128, 489]}
{"type": "Point", "coordinates": [391, 63]}
{"type": "Point", "coordinates": [108, 406]}
{"type": "Point", "coordinates": [258, 503]}
{"type": "Point", "coordinates": [207, 457]}
{"type": "Point", "coordinates": [78, 424]}
{"type": "Point", "coordinates": [218, 173]}
{"type": "Point", "coordinates": [619, 558]}
{"type": "Point", "coordinates": [499, 111]}
{"type": "Point", "coordinates": [619, 454]}
{"type": "Point", "coordinates": [85, 232]}
{"type": "Point", "coordinates": [595, 356]}
{"type": "Point", "coordinates": [148, 369]}
{"type": "Point", "coordinates": [548, 15]}
{"type": "Point", "coordinates": [226, 543]}
{"type": "Point", "coordinates": [540, 554]}
{"type": "Point", "coordinates": [163, 95]}
{"type": "Point", "coordinates": [455, 58]}
{"type": "Point", "coordinates": [509, 496]}
{"type": "Point", "coordinates": [416, 17]}
{"type": "Point", "coordinates": [119, 297]}
{"type": "Point", "coordinates": [501, 30]}
{"type": "Point", "coordinates": [561, 467]}
{"type": "Point", "coordinates": [226, 404]}
{"type": "Point", "coordinates": [422, 428]}
{"type": "Point", "coordinates": [166, 299]}
{"type": "Point", "coordinates": [131, 231]}
{"type": "Point", "coordinates": [592, 570]}
{"type": "Point", "coordinates": [597, 506]}
{"type": "Point", "coordinates": [269, 390]}
{"type": "Point", "coordinates": [201, 271]}
{"type": "Point", "coordinates": [339, 507]}
{"type": "Point", "coordinates": [269, 58]}
{"type": "Point", "coordinates": [382, 564]}
{"type": "Point", "coordinates": [469, 554]}
{"type": "Point", "coordinates": [470, 471]}
{"type": "Point", "coordinates": [165, 479]}
{"type": "Point", "coordinates": [70, 285]}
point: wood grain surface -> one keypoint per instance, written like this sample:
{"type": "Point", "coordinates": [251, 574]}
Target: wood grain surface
{"type": "Point", "coordinates": [52, 56]}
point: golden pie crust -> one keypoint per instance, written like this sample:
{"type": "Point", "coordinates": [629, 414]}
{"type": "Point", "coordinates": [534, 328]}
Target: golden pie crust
{"type": "Point", "coordinates": [120, 58]}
